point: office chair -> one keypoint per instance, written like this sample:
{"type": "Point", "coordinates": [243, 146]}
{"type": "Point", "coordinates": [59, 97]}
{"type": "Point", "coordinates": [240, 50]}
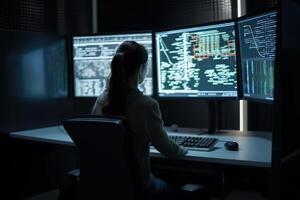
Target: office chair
{"type": "Point", "coordinates": [108, 168]}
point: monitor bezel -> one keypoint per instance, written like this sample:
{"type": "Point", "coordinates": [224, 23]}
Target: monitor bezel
{"type": "Point", "coordinates": [221, 98]}
{"type": "Point", "coordinates": [110, 33]}
{"type": "Point", "coordinates": [239, 62]}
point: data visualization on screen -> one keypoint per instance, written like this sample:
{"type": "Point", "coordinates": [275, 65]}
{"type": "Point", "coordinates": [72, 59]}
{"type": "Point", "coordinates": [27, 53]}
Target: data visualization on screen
{"type": "Point", "coordinates": [197, 62]}
{"type": "Point", "coordinates": [92, 56]}
{"type": "Point", "coordinates": [257, 49]}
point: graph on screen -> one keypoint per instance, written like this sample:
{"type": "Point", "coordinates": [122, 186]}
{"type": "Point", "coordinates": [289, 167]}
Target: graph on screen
{"type": "Point", "coordinates": [257, 48]}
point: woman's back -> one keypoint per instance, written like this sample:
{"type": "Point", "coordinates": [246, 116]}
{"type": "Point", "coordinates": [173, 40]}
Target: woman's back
{"type": "Point", "coordinates": [122, 97]}
{"type": "Point", "coordinates": [144, 119]}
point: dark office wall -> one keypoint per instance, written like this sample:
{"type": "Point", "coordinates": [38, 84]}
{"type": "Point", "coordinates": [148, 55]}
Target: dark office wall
{"type": "Point", "coordinates": [76, 16]}
{"type": "Point", "coordinates": [19, 111]}
{"type": "Point", "coordinates": [23, 18]}
{"type": "Point", "coordinates": [29, 15]}
{"type": "Point", "coordinates": [288, 88]}
{"type": "Point", "coordinates": [259, 5]}
{"type": "Point", "coordinates": [131, 15]}
{"type": "Point", "coordinates": [116, 15]}
{"type": "Point", "coordinates": [174, 13]}
{"type": "Point", "coordinates": [286, 138]}
{"type": "Point", "coordinates": [260, 116]}
{"type": "Point", "coordinates": [58, 16]}
{"type": "Point", "coordinates": [32, 16]}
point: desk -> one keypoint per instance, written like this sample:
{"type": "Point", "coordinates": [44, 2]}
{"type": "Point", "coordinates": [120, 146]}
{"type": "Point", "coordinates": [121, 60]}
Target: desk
{"type": "Point", "coordinates": [255, 149]}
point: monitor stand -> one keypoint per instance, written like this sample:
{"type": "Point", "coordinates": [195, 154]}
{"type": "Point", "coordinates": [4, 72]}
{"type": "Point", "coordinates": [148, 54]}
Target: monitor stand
{"type": "Point", "coordinates": [212, 116]}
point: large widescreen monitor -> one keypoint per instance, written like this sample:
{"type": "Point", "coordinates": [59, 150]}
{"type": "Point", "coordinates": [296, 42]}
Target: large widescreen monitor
{"type": "Point", "coordinates": [257, 38]}
{"type": "Point", "coordinates": [197, 61]}
{"type": "Point", "coordinates": [92, 56]}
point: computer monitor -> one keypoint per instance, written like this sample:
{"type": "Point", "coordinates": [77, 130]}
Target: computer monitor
{"type": "Point", "coordinates": [197, 61]}
{"type": "Point", "coordinates": [257, 38]}
{"type": "Point", "coordinates": [92, 56]}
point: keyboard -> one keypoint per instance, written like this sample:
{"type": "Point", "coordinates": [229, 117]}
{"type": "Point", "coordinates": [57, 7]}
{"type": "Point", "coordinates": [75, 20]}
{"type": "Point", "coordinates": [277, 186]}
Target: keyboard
{"type": "Point", "coordinates": [195, 142]}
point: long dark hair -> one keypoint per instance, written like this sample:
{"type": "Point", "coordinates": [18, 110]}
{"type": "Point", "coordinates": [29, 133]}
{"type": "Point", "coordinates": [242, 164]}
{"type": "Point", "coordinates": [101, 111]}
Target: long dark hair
{"type": "Point", "coordinates": [129, 57]}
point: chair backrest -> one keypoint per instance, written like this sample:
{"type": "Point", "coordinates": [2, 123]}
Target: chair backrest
{"type": "Point", "coordinates": [108, 167]}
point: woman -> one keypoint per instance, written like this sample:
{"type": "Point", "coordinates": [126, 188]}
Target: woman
{"type": "Point", "coordinates": [122, 97]}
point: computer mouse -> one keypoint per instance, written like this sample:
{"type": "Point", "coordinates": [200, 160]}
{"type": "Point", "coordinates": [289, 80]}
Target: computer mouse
{"type": "Point", "coordinates": [174, 127]}
{"type": "Point", "coordinates": [231, 146]}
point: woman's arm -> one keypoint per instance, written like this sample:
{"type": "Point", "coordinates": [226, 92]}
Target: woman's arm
{"type": "Point", "coordinates": [98, 105]}
{"type": "Point", "coordinates": [158, 136]}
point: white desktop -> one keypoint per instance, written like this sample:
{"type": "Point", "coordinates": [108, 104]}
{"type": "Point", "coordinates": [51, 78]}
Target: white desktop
{"type": "Point", "coordinates": [255, 148]}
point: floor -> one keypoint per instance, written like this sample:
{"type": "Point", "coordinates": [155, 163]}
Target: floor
{"type": "Point", "coordinates": [51, 195]}
{"type": "Point", "coordinates": [235, 195]}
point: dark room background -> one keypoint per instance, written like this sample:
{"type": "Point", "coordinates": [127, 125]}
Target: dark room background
{"type": "Point", "coordinates": [65, 18]}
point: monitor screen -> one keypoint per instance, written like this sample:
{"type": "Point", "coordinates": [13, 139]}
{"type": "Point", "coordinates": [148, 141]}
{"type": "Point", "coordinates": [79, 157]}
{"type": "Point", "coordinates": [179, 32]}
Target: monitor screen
{"type": "Point", "coordinates": [197, 62]}
{"type": "Point", "coordinates": [92, 56]}
{"type": "Point", "coordinates": [257, 37]}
